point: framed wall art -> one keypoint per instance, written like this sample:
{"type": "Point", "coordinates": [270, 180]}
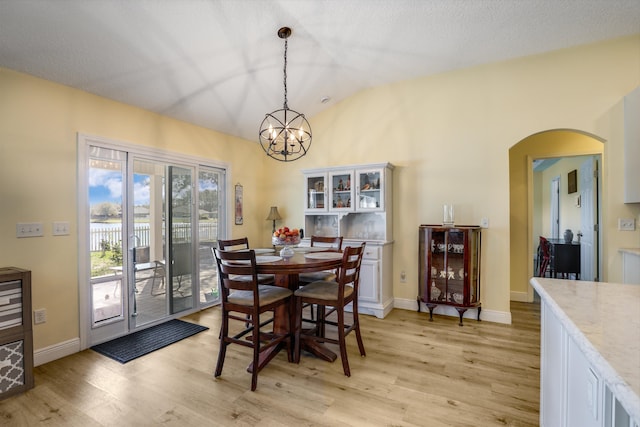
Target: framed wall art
{"type": "Point", "coordinates": [572, 183]}
{"type": "Point", "coordinates": [239, 202]}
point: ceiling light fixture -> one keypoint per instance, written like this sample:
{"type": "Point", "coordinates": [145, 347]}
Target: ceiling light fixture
{"type": "Point", "coordinates": [285, 134]}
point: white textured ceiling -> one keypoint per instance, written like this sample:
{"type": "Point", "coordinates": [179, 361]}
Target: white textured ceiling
{"type": "Point", "coordinates": [219, 63]}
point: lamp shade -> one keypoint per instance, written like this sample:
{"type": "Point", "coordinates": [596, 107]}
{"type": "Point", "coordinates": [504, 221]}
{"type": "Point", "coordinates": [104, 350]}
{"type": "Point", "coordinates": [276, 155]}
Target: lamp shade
{"type": "Point", "coordinates": [273, 214]}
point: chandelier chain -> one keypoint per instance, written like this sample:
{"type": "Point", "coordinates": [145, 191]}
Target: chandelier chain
{"type": "Point", "coordinates": [285, 135]}
{"type": "Point", "coordinates": [285, 74]}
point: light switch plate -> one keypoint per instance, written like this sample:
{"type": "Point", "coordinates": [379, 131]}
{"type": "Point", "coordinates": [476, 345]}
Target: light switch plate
{"type": "Point", "coordinates": [60, 228]}
{"type": "Point", "coordinates": [29, 229]}
{"type": "Point", "coordinates": [626, 224]}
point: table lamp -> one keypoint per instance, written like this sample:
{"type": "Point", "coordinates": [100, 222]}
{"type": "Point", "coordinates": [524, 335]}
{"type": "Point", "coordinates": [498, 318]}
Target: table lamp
{"type": "Point", "coordinates": [273, 216]}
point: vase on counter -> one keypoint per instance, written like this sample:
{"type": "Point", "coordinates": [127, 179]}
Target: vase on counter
{"type": "Point", "coordinates": [568, 236]}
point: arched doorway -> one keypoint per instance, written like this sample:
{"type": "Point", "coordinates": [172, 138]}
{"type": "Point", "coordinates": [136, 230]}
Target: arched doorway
{"type": "Point", "coordinates": [546, 144]}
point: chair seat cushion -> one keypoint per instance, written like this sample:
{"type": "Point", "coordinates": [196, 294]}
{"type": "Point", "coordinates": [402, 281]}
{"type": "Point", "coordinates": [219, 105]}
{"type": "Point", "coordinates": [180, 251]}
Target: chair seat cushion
{"type": "Point", "coordinates": [263, 279]}
{"type": "Point", "coordinates": [266, 295]}
{"type": "Point", "coordinates": [317, 276]}
{"type": "Point", "coordinates": [322, 290]}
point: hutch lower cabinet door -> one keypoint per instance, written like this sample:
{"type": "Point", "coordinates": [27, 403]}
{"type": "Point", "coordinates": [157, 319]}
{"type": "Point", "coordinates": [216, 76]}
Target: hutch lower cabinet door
{"type": "Point", "coordinates": [449, 268]}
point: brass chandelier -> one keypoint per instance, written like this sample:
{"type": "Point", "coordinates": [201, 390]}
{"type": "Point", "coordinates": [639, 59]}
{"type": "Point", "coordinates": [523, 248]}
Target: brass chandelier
{"type": "Point", "coordinates": [285, 134]}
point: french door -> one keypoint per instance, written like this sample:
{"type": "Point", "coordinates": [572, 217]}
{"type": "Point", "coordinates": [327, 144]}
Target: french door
{"type": "Point", "coordinates": [151, 225]}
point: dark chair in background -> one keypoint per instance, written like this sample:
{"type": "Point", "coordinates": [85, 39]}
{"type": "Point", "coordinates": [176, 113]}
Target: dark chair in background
{"type": "Point", "coordinates": [544, 258]}
{"type": "Point", "coordinates": [331, 243]}
{"type": "Point", "coordinates": [242, 244]}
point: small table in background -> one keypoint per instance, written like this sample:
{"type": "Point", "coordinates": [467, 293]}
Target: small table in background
{"type": "Point", "coordinates": [565, 258]}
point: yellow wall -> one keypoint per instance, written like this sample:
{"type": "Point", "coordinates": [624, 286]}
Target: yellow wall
{"type": "Point", "coordinates": [448, 135]}
{"type": "Point", "coordinates": [39, 121]}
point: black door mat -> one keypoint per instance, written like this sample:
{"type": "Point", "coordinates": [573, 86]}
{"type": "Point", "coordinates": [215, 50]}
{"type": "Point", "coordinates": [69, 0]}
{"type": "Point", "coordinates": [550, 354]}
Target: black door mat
{"type": "Point", "coordinates": [132, 346]}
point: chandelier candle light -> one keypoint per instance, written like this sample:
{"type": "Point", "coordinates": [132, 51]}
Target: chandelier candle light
{"type": "Point", "coordinates": [285, 134]}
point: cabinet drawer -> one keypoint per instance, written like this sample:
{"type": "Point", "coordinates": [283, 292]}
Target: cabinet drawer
{"type": "Point", "coordinates": [10, 304]}
{"type": "Point", "coordinates": [12, 372]}
{"type": "Point", "coordinates": [371, 252]}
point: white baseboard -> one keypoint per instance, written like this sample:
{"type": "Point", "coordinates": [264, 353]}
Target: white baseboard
{"type": "Point", "coordinates": [56, 351]}
{"type": "Point", "coordinates": [519, 296]}
{"type": "Point", "coordinates": [447, 310]}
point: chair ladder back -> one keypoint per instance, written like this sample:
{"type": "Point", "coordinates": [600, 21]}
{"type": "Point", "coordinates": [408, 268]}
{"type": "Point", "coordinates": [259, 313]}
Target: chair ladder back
{"type": "Point", "coordinates": [349, 273]}
{"type": "Point", "coordinates": [233, 244]}
{"type": "Point", "coordinates": [329, 242]}
{"type": "Point", "coordinates": [232, 265]}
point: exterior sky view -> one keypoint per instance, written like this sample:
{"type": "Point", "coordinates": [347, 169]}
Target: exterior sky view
{"type": "Point", "coordinates": [106, 186]}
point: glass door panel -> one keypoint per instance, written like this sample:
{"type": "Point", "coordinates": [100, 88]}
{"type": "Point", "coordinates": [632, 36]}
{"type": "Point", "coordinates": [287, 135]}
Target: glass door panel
{"type": "Point", "coordinates": [341, 191]}
{"type": "Point", "coordinates": [149, 249]}
{"type": "Point", "coordinates": [148, 296]}
{"type": "Point", "coordinates": [438, 289]}
{"type": "Point", "coordinates": [210, 215]}
{"type": "Point", "coordinates": [181, 239]}
{"type": "Point", "coordinates": [316, 192]}
{"type": "Point", "coordinates": [107, 265]}
{"type": "Point", "coordinates": [370, 190]}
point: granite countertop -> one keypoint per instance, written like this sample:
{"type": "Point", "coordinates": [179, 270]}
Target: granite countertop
{"type": "Point", "coordinates": [604, 321]}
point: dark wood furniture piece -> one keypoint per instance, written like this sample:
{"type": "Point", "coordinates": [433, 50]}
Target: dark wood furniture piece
{"type": "Point", "coordinates": [544, 258]}
{"type": "Point", "coordinates": [16, 333]}
{"type": "Point", "coordinates": [286, 273]}
{"type": "Point", "coordinates": [565, 258]}
{"type": "Point", "coordinates": [449, 260]}
{"type": "Point", "coordinates": [242, 244]}
{"type": "Point", "coordinates": [335, 294]}
{"type": "Point", "coordinates": [247, 297]}
{"type": "Point", "coordinates": [331, 243]}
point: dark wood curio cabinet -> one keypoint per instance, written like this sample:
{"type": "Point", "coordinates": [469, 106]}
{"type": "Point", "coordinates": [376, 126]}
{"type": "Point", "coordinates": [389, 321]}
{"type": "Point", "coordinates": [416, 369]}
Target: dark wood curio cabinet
{"type": "Point", "coordinates": [449, 268]}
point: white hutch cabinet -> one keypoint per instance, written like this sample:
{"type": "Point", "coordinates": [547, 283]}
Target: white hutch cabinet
{"type": "Point", "coordinates": [355, 202]}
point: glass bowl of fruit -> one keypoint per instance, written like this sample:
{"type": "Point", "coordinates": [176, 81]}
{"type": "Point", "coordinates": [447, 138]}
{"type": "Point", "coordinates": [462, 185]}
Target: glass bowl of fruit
{"type": "Point", "coordinates": [286, 237]}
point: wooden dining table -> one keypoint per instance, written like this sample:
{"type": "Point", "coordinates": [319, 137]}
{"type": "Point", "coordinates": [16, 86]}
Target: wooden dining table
{"type": "Point", "coordinates": [286, 271]}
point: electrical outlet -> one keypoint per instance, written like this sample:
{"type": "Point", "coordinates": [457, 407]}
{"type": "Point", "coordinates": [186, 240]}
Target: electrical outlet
{"type": "Point", "coordinates": [626, 224]}
{"type": "Point", "coordinates": [60, 228]}
{"type": "Point", "coordinates": [403, 277]}
{"type": "Point", "coordinates": [40, 316]}
{"type": "Point", "coordinates": [484, 223]}
{"type": "Point", "coordinates": [29, 229]}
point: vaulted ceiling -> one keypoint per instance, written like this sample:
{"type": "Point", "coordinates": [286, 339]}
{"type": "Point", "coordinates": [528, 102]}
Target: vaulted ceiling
{"type": "Point", "coordinates": [219, 63]}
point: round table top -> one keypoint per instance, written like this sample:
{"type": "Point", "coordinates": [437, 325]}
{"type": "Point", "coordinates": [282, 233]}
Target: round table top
{"type": "Point", "coordinates": [299, 263]}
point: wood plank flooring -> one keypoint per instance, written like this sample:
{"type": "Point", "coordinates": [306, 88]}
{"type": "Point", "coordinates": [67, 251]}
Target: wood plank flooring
{"type": "Point", "coordinates": [416, 373]}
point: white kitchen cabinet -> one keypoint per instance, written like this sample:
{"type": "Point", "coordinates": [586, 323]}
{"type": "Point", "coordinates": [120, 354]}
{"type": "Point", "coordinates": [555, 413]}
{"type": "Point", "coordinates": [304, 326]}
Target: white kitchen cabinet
{"type": "Point", "coordinates": [579, 385]}
{"type": "Point", "coordinates": [631, 266]}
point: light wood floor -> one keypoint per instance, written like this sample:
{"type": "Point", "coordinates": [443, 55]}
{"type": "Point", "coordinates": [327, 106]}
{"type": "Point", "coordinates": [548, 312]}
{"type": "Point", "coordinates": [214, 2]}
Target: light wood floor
{"type": "Point", "coordinates": [416, 373]}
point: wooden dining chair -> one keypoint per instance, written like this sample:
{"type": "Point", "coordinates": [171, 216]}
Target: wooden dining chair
{"type": "Point", "coordinates": [241, 244]}
{"type": "Point", "coordinates": [331, 243]}
{"type": "Point", "coordinates": [544, 258]}
{"type": "Point", "coordinates": [336, 294]}
{"type": "Point", "coordinates": [248, 298]}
